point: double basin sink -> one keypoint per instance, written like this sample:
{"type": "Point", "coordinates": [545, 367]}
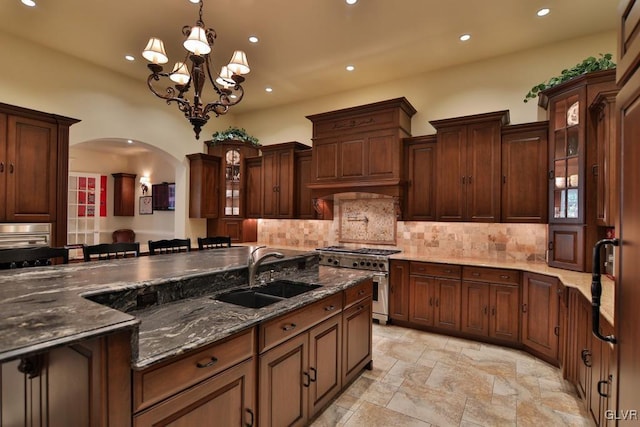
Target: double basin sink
{"type": "Point", "coordinates": [267, 294]}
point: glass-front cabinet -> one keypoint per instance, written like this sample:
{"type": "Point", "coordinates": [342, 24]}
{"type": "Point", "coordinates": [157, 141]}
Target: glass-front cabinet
{"type": "Point", "coordinates": [232, 182]}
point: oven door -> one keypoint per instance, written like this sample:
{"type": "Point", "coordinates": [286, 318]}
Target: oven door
{"type": "Point", "coordinates": [381, 297]}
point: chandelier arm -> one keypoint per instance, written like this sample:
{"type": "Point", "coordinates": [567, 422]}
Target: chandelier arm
{"type": "Point", "coordinates": [217, 107]}
{"type": "Point", "coordinates": [171, 92]}
{"type": "Point", "coordinates": [211, 79]}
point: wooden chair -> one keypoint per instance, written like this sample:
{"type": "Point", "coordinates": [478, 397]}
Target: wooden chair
{"type": "Point", "coordinates": [123, 235]}
{"type": "Point", "coordinates": [214, 242]}
{"type": "Point", "coordinates": [32, 257]}
{"type": "Point", "coordinates": [111, 251]}
{"type": "Point", "coordinates": [169, 246]}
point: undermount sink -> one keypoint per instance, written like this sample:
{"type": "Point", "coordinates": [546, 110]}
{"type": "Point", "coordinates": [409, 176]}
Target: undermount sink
{"type": "Point", "coordinates": [270, 293]}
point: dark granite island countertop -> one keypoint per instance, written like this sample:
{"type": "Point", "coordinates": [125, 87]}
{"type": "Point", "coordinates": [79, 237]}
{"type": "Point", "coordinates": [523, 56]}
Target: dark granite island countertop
{"type": "Point", "coordinates": [47, 307]}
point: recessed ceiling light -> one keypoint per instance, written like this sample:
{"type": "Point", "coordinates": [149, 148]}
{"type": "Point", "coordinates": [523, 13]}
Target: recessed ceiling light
{"type": "Point", "coordinates": [253, 39]}
{"type": "Point", "coordinates": [129, 58]}
{"type": "Point", "coordinates": [352, 1]}
{"type": "Point", "coordinates": [268, 89]}
{"type": "Point", "coordinates": [350, 67]}
{"type": "Point", "coordinates": [129, 141]}
{"type": "Point", "coordinates": [465, 37]}
{"type": "Point", "coordinates": [195, 1]}
{"type": "Point", "coordinates": [29, 3]}
{"type": "Point", "coordinates": [543, 12]}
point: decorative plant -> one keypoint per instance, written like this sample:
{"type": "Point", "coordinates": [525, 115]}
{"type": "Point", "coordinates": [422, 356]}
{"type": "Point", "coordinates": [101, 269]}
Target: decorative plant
{"type": "Point", "coordinates": [232, 132]}
{"type": "Point", "coordinates": [589, 65]}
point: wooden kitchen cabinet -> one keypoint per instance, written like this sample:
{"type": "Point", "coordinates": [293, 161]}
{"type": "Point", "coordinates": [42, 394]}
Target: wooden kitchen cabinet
{"type": "Point", "coordinates": [399, 290]}
{"type": "Point", "coordinates": [67, 386]}
{"type": "Point", "coordinates": [254, 187]}
{"type": "Point", "coordinates": [32, 141]}
{"type": "Point", "coordinates": [279, 179]}
{"type": "Point", "coordinates": [304, 208]}
{"type": "Point", "coordinates": [541, 325]}
{"type": "Point", "coordinates": [420, 163]}
{"type": "Point", "coordinates": [124, 194]}
{"type": "Point", "coordinates": [490, 303]}
{"type": "Point", "coordinates": [468, 171]}
{"type": "Point", "coordinates": [573, 166]}
{"type": "Point", "coordinates": [524, 173]}
{"type": "Point", "coordinates": [357, 348]}
{"type": "Point", "coordinates": [204, 185]}
{"type": "Point", "coordinates": [435, 295]}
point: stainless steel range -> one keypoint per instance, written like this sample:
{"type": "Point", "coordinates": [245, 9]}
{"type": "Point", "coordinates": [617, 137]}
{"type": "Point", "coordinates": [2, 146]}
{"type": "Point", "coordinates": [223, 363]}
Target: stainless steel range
{"type": "Point", "coordinates": [370, 259]}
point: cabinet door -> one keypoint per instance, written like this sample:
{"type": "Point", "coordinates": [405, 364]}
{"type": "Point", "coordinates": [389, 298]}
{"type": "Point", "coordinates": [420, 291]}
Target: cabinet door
{"type": "Point", "coordinates": [399, 290]}
{"type": "Point", "coordinates": [540, 322]}
{"type": "Point", "coordinates": [23, 400]}
{"type": "Point", "coordinates": [475, 308]}
{"type": "Point", "coordinates": [421, 181]}
{"type": "Point", "coordinates": [421, 300]}
{"type": "Point", "coordinates": [604, 118]}
{"type": "Point", "coordinates": [305, 208]}
{"type": "Point", "coordinates": [325, 363]}
{"type": "Point", "coordinates": [483, 172]}
{"type": "Point", "coordinates": [226, 399]}
{"type": "Point", "coordinates": [325, 159]}
{"type": "Point", "coordinates": [284, 384]}
{"type": "Point", "coordinates": [356, 341]}
{"type": "Point", "coordinates": [204, 181]}
{"type": "Point", "coordinates": [31, 170]}
{"type": "Point", "coordinates": [269, 184]}
{"type": "Point", "coordinates": [4, 163]}
{"type": "Point", "coordinates": [253, 167]}
{"type": "Point", "coordinates": [583, 345]}
{"type": "Point", "coordinates": [447, 304]}
{"type": "Point", "coordinates": [524, 173]}
{"type": "Point", "coordinates": [383, 155]}
{"type": "Point", "coordinates": [286, 185]}
{"type": "Point", "coordinates": [352, 157]}
{"type": "Point", "coordinates": [504, 322]}
{"type": "Point", "coordinates": [451, 174]}
{"type": "Point", "coordinates": [566, 247]}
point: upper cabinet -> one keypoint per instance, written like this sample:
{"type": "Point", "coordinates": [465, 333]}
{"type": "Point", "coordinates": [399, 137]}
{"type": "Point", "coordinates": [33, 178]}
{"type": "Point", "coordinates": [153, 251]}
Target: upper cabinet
{"type": "Point", "coordinates": [30, 142]}
{"type": "Point", "coordinates": [279, 179]}
{"type": "Point", "coordinates": [468, 171]}
{"type": "Point", "coordinates": [204, 175]}
{"type": "Point", "coordinates": [420, 165]}
{"type": "Point", "coordinates": [360, 148]}
{"type": "Point", "coordinates": [303, 192]}
{"type": "Point", "coordinates": [524, 172]}
{"type": "Point", "coordinates": [574, 171]}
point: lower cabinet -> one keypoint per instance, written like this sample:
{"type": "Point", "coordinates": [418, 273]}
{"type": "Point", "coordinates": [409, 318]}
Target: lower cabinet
{"type": "Point", "coordinates": [67, 386]}
{"type": "Point", "coordinates": [357, 348]}
{"type": "Point", "coordinates": [399, 290]}
{"type": "Point", "coordinates": [489, 308]}
{"type": "Point", "coordinates": [434, 294]}
{"type": "Point", "coordinates": [541, 323]}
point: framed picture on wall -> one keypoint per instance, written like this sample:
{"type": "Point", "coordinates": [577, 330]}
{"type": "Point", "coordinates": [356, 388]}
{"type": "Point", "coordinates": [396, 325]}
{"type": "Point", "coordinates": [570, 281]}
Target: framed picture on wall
{"type": "Point", "coordinates": [146, 205]}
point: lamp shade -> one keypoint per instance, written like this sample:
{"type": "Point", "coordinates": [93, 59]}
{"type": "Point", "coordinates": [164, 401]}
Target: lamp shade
{"type": "Point", "coordinates": [224, 78]}
{"type": "Point", "coordinates": [197, 41]}
{"type": "Point", "coordinates": [154, 52]}
{"type": "Point", "coordinates": [180, 73]}
{"type": "Point", "coordinates": [238, 63]}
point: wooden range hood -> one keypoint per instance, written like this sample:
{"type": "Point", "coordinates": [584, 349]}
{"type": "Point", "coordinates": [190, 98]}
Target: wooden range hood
{"type": "Point", "coordinates": [359, 149]}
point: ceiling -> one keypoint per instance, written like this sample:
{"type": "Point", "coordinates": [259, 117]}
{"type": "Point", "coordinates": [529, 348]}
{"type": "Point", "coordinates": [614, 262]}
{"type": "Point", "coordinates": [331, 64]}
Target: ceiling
{"type": "Point", "coordinates": [305, 45]}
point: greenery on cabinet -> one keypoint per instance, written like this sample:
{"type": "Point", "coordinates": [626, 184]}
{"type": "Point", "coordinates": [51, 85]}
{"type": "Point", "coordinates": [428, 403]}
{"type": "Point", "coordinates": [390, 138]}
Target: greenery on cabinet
{"type": "Point", "coordinates": [589, 65]}
{"type": "Point", "coordinates": [233, 133]}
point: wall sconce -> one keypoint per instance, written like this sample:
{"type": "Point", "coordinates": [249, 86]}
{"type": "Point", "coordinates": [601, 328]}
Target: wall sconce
{"type": "Point", "coordinates": [144, 184]}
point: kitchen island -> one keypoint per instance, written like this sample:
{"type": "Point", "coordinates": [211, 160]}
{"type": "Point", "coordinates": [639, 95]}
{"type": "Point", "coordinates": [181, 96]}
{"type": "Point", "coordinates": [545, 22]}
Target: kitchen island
{"type": "Point", "coordinates": [163, 304]}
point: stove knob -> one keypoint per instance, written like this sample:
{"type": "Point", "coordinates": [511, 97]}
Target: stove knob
{"type": "Point", "coordinates": [355, 264]}
{"type": "Point", "coordinates": [368, 264]}
{"type": "Point", "coordinates": [329, 260]}
{"type": "Point", "coordinates": [362, 263]}
{"type": "Point", "coordinates": [335, 262]}
{"type": "Point", "coordinates": [382, 267]}
{"type": "Point", "coordinates": [375, 264]}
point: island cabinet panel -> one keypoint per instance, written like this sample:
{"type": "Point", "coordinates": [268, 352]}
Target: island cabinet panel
{"type": "Point", "coordinates": [399, 290]}
{"type": "Point", "coordinates": [468, 171]}
{"type": "Point", "coordinates": [325, 367]}
{"type": "Point", "coordinates": [540, 314]}
{"type": "Point", "coordinates": [357, 346]}
{"type": "Point", "coordinates": [524, 173]}
{"type": "Point", "coordinates": [420, 163]}
{"type": "Point", "coordinates": [227, 399]}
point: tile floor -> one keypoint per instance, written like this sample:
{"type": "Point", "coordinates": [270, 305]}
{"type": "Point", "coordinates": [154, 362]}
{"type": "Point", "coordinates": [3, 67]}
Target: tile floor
{"type": "Point", "coordinates": [425, 379]}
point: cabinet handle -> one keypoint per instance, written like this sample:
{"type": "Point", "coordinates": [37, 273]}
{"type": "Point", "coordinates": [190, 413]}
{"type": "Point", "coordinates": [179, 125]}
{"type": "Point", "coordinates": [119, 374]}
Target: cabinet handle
{"type": "Point", "coordinates": [274, 188]}
{"type": "Point", "coordinates": [493, 311]}
{"type": "Point", "coordinates": [474, 274]}
{"type": "Point", "coordinates": [556, 331]}
{"type": "Point", "coordinates": [504, 179]}
{"type": "Point", "coordinates": [208, 363]}
{"type": "Point", "coordinates": [585, 354]}
{"type": "Point", "coordinates": [594, 169]}
{"type": "Point", "coordinates": [470, 179]}
{"type": "Point", "coordinates": [315, 374]}
{"type": "Point", "coordinates": [484, 310]}
{"type": "Point", "coordinates": [305, 375]}
{"type": "Point", "coordinates": [430, 302]}
{"type": "Point", "coordinates": [437, 302]}
{"type": "Point", "coordinates": [550, 246]}
{"type": "Point", "coordinates": [505, 276]}
{"type": "Point", "coordinates": [360, 308]}
{"type": "Point", "coordinates": [31, 366]}
{"type": "Point", "coordinates": [448, 271]}
{"type": "Point", "coordinates": [464, 180]}
{"type": "Point", "coordinates": [550, 175]}
{"type": "Point", "coordinates": [361, 292]}
{"type": "Point", "coordinates": [10, 167]}
{"type": "Point", "coordinates": [330, 308]}
{"type": "Point", "coordinates": [600, 384]}
{"type": "Point", "coordinates": [1, 167]}
{"type": "Point", "coordinates": [524, 308]}
{"type": "Point", "coordinates": [289, 327]}
{"type": "Point", "coordinates": [250, 423]}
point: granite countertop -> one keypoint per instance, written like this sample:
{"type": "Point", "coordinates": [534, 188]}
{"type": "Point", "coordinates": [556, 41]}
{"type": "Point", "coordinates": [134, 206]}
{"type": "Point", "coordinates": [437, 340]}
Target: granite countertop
{"type": "Point", "coordinates": [574, 279]}
{"type": "Point", "coordinates": [45, 307]}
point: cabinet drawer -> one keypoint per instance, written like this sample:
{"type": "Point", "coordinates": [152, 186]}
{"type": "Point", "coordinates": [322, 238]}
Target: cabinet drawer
{"type": "Point", "coordinates": [289, 325]}
{"type": "Point", "coordinates": [156, 383]}
{"type": "Point", "coordinates": [437, 270]}
{"type": "Point", "coordinates": [358, 292]}
{"type": "Point", "coordinates": [492, 275]}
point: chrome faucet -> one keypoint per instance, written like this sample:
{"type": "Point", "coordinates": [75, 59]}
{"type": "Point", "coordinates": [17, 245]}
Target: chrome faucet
{"type": "Point", "coordinates": [253, 263]}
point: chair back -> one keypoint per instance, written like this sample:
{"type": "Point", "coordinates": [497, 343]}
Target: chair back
{"type": "Point", "coordinates": [32, 257]}
{"type": "Point", "coordinates": [123, 235]}
{"type": "Point", "coordinates": [110, 251]}
{"type": "Point", "coordinates": [214, 242]}
{"type": "Point", "coordinates": [169, 246]}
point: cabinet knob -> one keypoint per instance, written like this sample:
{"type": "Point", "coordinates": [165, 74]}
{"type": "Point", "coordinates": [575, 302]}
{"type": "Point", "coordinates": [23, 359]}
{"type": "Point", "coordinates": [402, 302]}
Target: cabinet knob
{"type": "Point", "coordinates": [208, 363]}
{"type": "Point", "coordinates": [10, 167]}
{"type": "Point", "coordinates": [289, 327]}
{"type": "Point", "coordinates": [524, 308]}
{"type": "Point", "coordinates": [330, 308]}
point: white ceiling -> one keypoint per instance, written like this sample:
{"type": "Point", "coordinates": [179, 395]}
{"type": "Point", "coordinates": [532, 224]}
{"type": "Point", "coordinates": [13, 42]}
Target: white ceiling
{"type": "Point", "coordinates": [306, 44]}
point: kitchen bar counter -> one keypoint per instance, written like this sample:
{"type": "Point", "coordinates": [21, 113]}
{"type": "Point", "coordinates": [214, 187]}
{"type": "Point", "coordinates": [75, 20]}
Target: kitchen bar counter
{"type": "Point", "coordinates": [573, 279]}
{"type": "Point", "coordinates": [47, 307]}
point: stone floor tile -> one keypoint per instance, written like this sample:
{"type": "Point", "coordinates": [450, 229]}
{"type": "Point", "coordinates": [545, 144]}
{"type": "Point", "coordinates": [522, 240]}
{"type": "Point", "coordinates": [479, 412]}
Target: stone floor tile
{"type": "Point", "coordinates": [371, 415]}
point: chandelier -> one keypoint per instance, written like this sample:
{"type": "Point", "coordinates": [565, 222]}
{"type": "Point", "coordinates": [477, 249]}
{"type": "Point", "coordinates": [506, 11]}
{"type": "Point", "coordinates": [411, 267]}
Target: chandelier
{"type": "Point", "coordinates": [227, 84]}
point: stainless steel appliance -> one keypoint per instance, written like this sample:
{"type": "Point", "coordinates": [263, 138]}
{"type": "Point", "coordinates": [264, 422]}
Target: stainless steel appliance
{"type": "Point", "coordinates": [21, 235]}
{"type": "Point", "coordinates": [370, 259]}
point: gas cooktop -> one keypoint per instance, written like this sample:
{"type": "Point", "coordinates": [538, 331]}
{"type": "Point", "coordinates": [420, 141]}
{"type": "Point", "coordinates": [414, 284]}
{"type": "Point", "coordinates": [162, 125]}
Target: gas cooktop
{"type": "Point", "coordinates": [360, 251]}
